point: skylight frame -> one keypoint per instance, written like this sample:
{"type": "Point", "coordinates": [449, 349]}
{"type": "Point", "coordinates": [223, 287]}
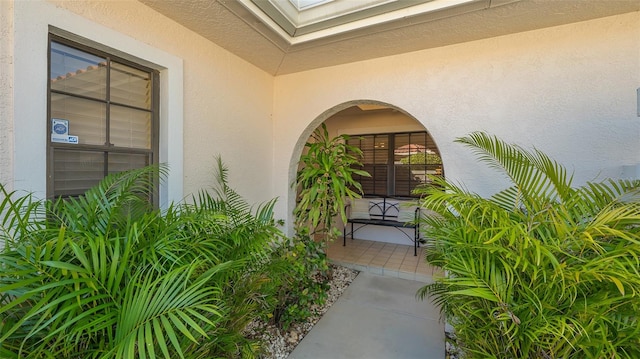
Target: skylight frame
{"type": "Point", "coordinates": [302, 5]}
{"type": "Point", "coordinates": [284, 19]}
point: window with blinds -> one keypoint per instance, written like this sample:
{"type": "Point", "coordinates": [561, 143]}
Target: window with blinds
{"type": "Point", "coordinates": [397, 162]}
{"type": "Point", "coordinates": [103, 117]}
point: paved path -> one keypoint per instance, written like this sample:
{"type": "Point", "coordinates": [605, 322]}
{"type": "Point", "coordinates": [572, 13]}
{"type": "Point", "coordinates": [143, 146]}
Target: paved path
{"type": "Point", "coordinates": [376, 318]}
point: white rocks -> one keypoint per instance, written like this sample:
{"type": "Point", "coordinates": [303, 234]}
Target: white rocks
{"type": "Point", "coordinates": [293, 337]}
{"type": "Point", "coordinates": [278, 344]}
{"type": "Point", "coordinates": [451, 345]}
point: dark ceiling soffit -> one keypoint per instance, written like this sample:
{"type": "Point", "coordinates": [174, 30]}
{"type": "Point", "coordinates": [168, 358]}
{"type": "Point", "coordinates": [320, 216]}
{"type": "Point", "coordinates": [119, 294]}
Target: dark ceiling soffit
{"type": "Point", "coordinates": [290, 28]}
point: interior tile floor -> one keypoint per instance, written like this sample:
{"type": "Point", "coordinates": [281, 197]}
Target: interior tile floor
{"type": "Point", "coordinates": [385, 259]}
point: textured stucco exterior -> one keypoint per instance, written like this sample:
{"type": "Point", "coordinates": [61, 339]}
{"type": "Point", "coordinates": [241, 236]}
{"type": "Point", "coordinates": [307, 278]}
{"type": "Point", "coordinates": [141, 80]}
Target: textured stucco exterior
{"type": "Point", "coordinates": [218, 104]}
{"type": "Point", "coordinates": [568, 90]}
{"type": "Point", "coordinates": [227, 101]}
{"type": "Point", "coordinates": [6, 93]}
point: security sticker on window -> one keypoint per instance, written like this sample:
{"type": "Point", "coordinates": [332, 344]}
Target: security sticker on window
{"type": "Point", "coordinates": [59, 130]}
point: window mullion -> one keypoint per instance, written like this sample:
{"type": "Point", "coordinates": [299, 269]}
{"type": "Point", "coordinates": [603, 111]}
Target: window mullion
{"type": "Point", "coordinates": [79, 72]}
{"type": "Point", "coordinates": [391, 166]}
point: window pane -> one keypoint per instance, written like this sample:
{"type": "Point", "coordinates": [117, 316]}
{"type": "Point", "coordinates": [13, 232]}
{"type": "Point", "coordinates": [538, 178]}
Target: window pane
{"type": "Point", "coordinates": [86, 117]}
{"type": "Point", "coordinates": [409, 148]}
{"type": "Point", "coordinates": [130, 128]}
{"type": "Point", "coordinates": [119, 162]}
{"type": "Point", "coordinates": [377, 183]}
{"type": "Point", "coordinates": [381, 149]}
{"type": "Point", "coordinates": [76, 171]}
{"type": "Point", "coordinates": [130, 86]}
{"type": "Point", "coordinates": [77, 72]}
{"type": "Point", "coordinates": [366, 145]}
{"type": "Point", "coordinates": [108, 106]}
{"type": "Point", "coordinates": [413, 157]}
{"type": "Point", "coordinates": [407, 178]}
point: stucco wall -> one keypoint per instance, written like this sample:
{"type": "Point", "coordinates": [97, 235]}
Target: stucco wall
{"type": "Point", "coordinates": [372, 122]}
{"type": "Point", "coordinates": [569, 91]}
{"type": "Point", "coordinates": [6, 93]}
{"type": "Point", "coordinates": [222, 103]}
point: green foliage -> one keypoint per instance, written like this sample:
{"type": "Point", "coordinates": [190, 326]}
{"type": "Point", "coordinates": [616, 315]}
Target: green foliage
{"type": "Point", "coordinates": [540, 269]}
{"type": "Point", "coordinates": [325, 180]}
{"type": "Point", "coordinates": [106, 275]}
{"type": "Point", "coordinates": [303, 285]}
{"type": "Point", "coordinates": [422, 158]}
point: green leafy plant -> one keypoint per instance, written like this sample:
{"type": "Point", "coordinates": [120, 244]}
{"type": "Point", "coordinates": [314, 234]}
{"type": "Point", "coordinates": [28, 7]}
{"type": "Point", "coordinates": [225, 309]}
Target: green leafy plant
{"type": "Point", "coordinates": [303, 284]}
{"type": "Point", "coordinates": [422, 158]}
{"type": "Point", "coordinates": [106, 275]}
{"type": "Point", "coordinates": [325, 180]}
{"type": "Point", "coordinates": [540, 269]}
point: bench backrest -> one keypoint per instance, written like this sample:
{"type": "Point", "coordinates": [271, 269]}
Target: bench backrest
{"type": "Point", "coordinates": [384, 209]}
{"type": "Point", "coordinates": [387, 209]}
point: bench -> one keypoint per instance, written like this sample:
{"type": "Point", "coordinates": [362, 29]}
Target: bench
{"type": "Point", "coordinates": [388, 212]}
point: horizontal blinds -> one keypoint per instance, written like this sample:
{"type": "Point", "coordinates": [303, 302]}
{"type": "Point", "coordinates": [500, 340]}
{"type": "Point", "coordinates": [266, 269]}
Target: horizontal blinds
{"type": "Point", "coordinates": [119, 162]}
{"type": "Point", "coordinates": [377, 183]}
{"type": "Point", "coordinates": [397, 162]}
{"type": "Point", "coordinates": [87, 118]}
{"type": "Point", "coordinates": [77, 72]}
{"type": "Point", "coordinates": [109, 107]}
{"type": "Point", "coordinates": [76, 171]}
{"type": "Point", "coordinates": [130, 86]}
{"type": "Point", "coordinates": [130, 127]}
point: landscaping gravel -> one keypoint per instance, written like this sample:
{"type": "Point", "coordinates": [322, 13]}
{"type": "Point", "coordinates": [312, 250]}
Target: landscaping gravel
{"type": "Point", "coordinates": [279, 344]}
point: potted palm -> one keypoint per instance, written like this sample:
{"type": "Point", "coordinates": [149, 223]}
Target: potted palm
{"type": "Point", "coordinates": [325, 180]}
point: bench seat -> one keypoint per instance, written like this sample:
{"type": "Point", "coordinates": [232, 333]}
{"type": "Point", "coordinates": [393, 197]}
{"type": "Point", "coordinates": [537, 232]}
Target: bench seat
{"type": "Point", "coordinates": [387, 212]}
{"type": "Point", "coordinates": [382, 222]}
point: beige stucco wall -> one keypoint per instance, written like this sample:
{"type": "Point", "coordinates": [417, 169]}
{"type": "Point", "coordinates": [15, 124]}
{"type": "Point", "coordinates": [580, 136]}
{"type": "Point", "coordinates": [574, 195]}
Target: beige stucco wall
{"type": "Point", "coordinates": [6, 94]}
{"type": "Point", "coordinates": [568, 90]}
{"type": "Point", "coordinates": [369, 122]}
{"type": "Point", "coordinates": [225, 103]}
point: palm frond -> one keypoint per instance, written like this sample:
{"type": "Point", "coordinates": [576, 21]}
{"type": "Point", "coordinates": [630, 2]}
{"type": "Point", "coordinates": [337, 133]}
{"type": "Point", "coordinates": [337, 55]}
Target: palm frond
{"type": "Point", "coordinates": [158, 311]}
{"type": "Point", "coordinates": [19, 216]}
{"type": "Point", "coordinates": [118, 198]}
{"type": "Point", "coordinates": [533, 174]}
{"type": "Point", "coordinates": [539, 269]}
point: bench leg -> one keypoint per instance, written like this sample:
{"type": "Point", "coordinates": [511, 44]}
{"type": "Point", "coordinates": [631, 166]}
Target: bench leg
{"type": "Point", "coordinates": [344, 236]}
{"type": "Point", "coordinates": [416, 240]}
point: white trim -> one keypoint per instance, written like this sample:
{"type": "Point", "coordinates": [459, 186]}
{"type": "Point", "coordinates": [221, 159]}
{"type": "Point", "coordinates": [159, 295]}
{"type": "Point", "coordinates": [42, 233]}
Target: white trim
{"type": "Point", "coordinates": [434, 6]}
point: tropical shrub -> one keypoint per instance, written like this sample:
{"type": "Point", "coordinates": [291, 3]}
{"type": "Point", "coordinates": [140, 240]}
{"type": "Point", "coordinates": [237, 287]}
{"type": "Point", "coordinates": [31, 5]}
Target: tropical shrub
{"type": "Point", "coordinates": [540, 269]}
{"type": "Point", "coordinates": [325, 180]}
{"type": "Point", "coordinates": [106, 275]}
{"type": "Point", "coordinates": [303, 285]}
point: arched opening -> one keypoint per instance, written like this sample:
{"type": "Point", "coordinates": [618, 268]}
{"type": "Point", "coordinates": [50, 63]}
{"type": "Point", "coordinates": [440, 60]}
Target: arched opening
{"type": "Point", "coordinates": [399, 152]}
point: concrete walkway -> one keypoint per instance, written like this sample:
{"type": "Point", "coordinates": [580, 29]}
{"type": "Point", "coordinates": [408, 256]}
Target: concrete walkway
{"type": "Point", "coordinates": [376, 318]}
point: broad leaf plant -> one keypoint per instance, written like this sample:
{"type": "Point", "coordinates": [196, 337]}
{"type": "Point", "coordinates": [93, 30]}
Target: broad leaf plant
{"type": "Point", "coordinates": [325, 181]}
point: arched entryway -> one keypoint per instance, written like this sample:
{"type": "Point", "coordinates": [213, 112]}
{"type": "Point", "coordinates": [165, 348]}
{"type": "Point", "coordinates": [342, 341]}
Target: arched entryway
{"type": "Point", "coordinates": [399, 152]}
{"type": "Point", "coordinates": [401, 155]}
